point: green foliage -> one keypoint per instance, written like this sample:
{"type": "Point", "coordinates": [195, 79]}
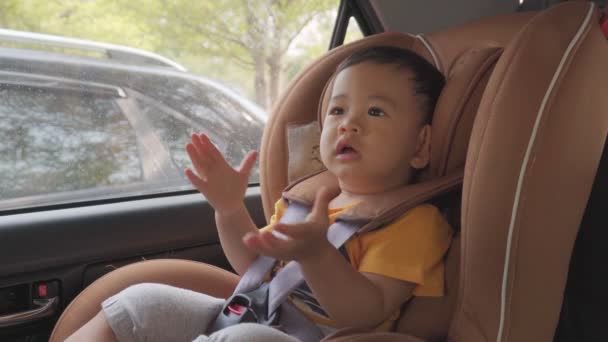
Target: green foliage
{"type": "Point", "coordinates": [245, 43]}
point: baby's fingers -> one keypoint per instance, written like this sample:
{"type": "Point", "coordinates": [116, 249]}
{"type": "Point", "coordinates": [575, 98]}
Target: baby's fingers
{"type": "Point", "coordinates": [248, 163]}
{"type": "Point", "coordinates": [266, 243]}
{"type": "Point", "coordinates": [199, 145]}
{"type": "Point", "coordinates": [198, 183]}
{"type": "Point", "coordinates": [198, 159]}
{"type": "Point", "coordinates": [212, 152]}
{"type": "Point", "coordinates": [292, 231]}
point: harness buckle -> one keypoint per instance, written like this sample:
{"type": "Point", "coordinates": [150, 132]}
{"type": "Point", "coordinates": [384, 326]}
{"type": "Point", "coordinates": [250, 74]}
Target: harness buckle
{"type": "Point", "coordinates": [249, 307]}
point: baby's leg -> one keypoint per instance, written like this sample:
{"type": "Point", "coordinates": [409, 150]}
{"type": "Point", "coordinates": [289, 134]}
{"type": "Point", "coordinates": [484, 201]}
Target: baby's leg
{"type": "Point", "coordinates": [249, 332]}
{"type": "Point", "coordinates": [97, 329]}
{"type": "Point", "coordinates": [152, 312]}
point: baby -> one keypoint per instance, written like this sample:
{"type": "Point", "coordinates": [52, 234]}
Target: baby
{"type": "Point", "coordinates": [375, 139]}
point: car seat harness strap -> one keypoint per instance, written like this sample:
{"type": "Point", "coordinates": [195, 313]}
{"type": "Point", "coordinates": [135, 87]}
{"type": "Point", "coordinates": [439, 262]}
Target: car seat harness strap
{"type": "Point", "coordinates": [257, 301]}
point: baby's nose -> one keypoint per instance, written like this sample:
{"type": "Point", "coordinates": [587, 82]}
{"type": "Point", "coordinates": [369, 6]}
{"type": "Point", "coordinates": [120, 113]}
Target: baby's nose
{"type": "Point", "coordinates": [349, 126]}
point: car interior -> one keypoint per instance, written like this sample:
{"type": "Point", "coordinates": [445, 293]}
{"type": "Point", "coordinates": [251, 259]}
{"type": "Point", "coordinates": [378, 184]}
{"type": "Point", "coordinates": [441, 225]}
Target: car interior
{"type": "Point", "coordinates": [519, 134]}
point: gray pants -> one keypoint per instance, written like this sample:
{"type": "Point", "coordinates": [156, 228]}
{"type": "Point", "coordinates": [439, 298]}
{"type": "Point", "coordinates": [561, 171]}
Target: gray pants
{"type": "Point", "coordinates": [156, 312]}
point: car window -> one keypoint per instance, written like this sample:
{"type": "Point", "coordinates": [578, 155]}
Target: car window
{"type": "Point", "coordinates": [353, 31]}
{"type": "Point", "coordinates": [57, 141]}
{"type": "Point", "coordinates": [98, 99]}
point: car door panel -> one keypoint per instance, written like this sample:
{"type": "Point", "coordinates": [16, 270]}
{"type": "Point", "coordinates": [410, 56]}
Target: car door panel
{"type": "Point", "coordinates": [75, 246]}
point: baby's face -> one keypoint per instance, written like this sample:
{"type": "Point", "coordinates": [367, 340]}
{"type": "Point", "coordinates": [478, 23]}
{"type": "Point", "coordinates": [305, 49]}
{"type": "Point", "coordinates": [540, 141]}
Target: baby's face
{"type": "Point", "coordinates": [372, 127]}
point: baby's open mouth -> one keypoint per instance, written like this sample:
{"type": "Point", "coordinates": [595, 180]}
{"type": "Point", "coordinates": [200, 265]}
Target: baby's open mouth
{"type": "Point", "coordinates": [345, 151]}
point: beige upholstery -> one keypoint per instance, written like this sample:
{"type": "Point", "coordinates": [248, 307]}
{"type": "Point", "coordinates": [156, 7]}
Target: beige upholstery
{"type": "Point", "coordinates": [529, 167]}
{"type": "Point", "coordinates": [466, 77]}
{"type": "Point", "coordinates": [532, 159]}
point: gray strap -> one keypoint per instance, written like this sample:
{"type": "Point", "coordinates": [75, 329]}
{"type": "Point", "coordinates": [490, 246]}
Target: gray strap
{"type": "Point", "coordinates": [339, 232]}
{"type": "Point", "coordinates": [254, 276]}
{"type": "Point", "coordinates": [290, 276]}
{"type": "Point", "coordinates": [295, 324]}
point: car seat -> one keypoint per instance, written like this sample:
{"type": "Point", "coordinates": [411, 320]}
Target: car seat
{"type": "Point", "coordinates": [532, 159]}
{"type": "Point", "coordinates": [504, 166]}
{"type": "Point", "coordinates": [452, 123]}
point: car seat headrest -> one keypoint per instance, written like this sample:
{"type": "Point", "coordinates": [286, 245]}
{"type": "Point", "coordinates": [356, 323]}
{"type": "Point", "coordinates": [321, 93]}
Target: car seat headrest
{"type": "Point", "coordinates": [291, 137]}
{"type": "Point", "coordinates": [454, 113]}
{"type": "Point", "coordinates": [298, 105]}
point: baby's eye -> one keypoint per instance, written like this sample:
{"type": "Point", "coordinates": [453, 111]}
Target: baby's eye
{"type": "Point", "coordinates": [336, 111]}
{"type": "Point", "coordinates": [375, 111]}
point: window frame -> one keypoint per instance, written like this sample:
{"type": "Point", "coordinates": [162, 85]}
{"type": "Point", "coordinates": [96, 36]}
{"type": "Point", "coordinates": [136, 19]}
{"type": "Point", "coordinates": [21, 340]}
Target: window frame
{"type": "Point", "coordinates": [364, 14]}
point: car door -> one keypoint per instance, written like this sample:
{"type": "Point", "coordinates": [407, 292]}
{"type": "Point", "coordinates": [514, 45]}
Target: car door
{"type": "Point", "coordinates": [92, 172]}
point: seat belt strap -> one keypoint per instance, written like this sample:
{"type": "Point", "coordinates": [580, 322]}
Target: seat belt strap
{"type": "Point", "coordinates": [254, 276]}
{"type": "Point", "coordinates": [290, 276]}
{"type": "Point", "coordinates": [295, 324]}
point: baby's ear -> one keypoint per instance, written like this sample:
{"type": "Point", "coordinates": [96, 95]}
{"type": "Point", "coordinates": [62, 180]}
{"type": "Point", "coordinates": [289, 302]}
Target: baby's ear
{"type": "Point", "coordinates": [422, 155]}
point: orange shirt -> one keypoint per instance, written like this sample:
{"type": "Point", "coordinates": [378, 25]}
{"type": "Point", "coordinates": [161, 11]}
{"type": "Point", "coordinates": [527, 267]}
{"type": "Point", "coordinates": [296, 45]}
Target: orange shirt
{"type": "Point", "coordinates": [411, 249]}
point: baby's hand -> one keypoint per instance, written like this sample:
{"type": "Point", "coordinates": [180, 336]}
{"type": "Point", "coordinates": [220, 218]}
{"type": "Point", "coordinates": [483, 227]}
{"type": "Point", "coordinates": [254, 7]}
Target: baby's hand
{"type": "Point", "coordinates": [295, 241]}
{"type": "Point", "coordinates": [223, 186]}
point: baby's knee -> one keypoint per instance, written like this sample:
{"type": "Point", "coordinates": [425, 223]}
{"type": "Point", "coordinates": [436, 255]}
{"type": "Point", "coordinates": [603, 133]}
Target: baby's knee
{"type": "Point", "coordinates": [144, 297]}
{"type": "Point", "coordinates": [136, 291]}
{"type": "Point", "coordinates": [160, 312]}
{"type": "Point", "coordinates": [145, 289]}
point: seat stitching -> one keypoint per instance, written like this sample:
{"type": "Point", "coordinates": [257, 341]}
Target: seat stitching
{"type": "Point", "coordinates": [429, 47]}
{"type": "Point", "coordinates": [524, 165]}
{"type": "Point", "coordinates": [473, 172]}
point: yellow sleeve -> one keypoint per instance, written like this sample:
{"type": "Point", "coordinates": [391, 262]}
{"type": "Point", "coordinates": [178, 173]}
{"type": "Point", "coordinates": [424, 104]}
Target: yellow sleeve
{"type": "Point", "coordinates": [279, 209]}
{"type": "Point", "coordinates": [411, 249]}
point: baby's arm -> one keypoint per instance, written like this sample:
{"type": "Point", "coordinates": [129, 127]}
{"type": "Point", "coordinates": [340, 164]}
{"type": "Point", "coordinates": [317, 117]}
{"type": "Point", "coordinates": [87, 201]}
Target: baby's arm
{"type": "Point", "coordinates": [351, 298]}
{"type": "Point", "coordinates": [231, 227]}
{"type": "Point", "coordinates": [224, 188]}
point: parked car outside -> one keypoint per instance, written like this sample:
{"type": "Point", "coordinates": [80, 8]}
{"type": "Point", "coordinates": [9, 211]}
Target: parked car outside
{"type": "Point", "coordinates": [127, 118]}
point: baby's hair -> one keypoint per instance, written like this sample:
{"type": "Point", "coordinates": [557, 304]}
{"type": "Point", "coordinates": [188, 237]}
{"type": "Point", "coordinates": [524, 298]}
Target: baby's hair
{"type": "Point", "coordinates": [429, 81]}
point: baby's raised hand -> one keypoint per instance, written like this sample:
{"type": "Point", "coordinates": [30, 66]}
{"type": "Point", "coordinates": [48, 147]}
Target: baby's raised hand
{"type": "Point", "coordinates": [295, 241]}
{"type": "Point", "coordinates": [223, 186]}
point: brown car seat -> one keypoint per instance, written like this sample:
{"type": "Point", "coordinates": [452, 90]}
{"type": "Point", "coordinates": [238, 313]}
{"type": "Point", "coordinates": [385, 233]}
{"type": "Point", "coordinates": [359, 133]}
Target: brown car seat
{"type": "Point", "coordinates": [532, 159]}
{"type": "Point", "coordinates": [452, 124]}
{"type": "Point", "coordinates": [498, 146]}
{"type": "Point", "coordinates": [467, 67]}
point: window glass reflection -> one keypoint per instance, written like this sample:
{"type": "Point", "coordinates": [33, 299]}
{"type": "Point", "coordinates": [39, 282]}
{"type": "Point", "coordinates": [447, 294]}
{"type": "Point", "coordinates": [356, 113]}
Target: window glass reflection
{"type": "Point", "coordinates": [55, 141]}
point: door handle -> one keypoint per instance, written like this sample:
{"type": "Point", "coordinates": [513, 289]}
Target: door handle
{"type": "Point", "coordinates": [47, 307]}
